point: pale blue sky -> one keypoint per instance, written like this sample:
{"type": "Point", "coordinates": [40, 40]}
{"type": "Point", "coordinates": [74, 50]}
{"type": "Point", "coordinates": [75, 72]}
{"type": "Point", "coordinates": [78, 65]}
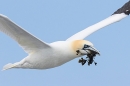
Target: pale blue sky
{"type": "Point", "coordinates": [53, 20]}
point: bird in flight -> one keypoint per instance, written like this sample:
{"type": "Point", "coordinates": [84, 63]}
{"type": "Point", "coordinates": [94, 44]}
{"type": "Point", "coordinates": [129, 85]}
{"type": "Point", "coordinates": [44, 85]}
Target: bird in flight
{"type": "Point", "coordinates": [42, 55]}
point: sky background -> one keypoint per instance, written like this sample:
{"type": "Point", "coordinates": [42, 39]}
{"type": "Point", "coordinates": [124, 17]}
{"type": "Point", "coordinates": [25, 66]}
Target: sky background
{"type": "Point", "coordinates": [53, 20]}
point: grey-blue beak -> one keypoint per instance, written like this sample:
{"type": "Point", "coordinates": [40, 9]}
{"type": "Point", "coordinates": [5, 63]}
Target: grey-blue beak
{"type": "Point", "coordinates": [92, 49]}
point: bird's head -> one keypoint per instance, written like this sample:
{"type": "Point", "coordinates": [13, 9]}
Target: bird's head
{"type": "Point", "coordinates": [83, 47]}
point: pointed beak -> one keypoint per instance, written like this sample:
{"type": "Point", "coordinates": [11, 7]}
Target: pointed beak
{"type": "Point", "coordinates": [92, 49]}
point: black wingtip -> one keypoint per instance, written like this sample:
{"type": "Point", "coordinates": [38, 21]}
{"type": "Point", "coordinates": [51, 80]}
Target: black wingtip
{"type": "Point", "coordinates": [124, 9]}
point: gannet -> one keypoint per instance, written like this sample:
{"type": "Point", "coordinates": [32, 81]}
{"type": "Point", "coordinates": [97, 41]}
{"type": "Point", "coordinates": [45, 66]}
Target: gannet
{"type": "Point", "coordinates": [42, 55]}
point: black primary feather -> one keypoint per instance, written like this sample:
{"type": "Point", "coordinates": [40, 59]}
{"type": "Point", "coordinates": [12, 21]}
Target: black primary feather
{"type": "Point", "coordinates": [124, 9]}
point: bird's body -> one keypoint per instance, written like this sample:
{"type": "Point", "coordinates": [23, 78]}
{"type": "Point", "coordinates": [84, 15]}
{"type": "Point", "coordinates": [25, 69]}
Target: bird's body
{"type": "Point", "coordinates": [57, 54]}
{"type": "Point", "coordinates": [43, 55]}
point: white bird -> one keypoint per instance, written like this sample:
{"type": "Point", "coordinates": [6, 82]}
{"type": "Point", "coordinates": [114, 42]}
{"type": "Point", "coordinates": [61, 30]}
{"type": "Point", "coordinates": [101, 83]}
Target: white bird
{"type": "Point", "coordinates": [43, 55]}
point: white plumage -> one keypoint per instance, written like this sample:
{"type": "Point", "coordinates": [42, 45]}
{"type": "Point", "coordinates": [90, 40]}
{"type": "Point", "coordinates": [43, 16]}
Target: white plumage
{"type": "Point", "coordinates": [42, 55]}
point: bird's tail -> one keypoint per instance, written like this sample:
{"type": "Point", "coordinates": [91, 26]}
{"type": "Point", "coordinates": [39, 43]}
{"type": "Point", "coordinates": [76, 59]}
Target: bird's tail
{"type": "Point", "coordinates": [8, 66]}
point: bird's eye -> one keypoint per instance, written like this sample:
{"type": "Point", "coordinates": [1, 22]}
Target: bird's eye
{"type": "Point", "coordinates": [86, 46]}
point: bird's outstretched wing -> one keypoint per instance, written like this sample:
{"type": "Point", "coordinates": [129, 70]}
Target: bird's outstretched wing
{"type": "Point", "coordinates": [121, 13]}
{"type": "Point", "coordinates": [28, 42]}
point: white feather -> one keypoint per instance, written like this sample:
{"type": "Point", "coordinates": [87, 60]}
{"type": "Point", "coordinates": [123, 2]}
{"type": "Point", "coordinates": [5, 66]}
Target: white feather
{"type": "Point", "coordinates": [28, 42]}
{"type": "Point", "coordinates": [42, 55]}
{"type": "Point", "coordinates": [86, 32]}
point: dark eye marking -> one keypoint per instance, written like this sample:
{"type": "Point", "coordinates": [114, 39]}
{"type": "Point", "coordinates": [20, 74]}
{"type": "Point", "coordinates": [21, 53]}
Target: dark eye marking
{"type": "Point", "coordinates": [86, 46]}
